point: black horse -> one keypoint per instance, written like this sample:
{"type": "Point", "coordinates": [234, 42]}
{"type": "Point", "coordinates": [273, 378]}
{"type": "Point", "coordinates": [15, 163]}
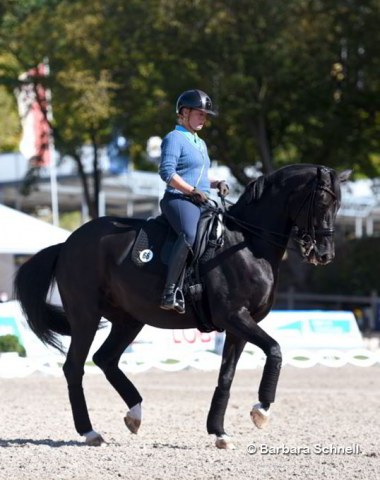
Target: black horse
{"type": "Point", "coordinates": [97, 277]}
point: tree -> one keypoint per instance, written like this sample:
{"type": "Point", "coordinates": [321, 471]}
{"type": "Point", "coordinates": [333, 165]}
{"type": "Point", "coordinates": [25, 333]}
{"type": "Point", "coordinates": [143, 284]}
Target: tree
{"type": "Point", "coordinates": [341, 127]}
{"type": "Point", "coordinates": [9, 122]}
{"type": "Point", "coordinates": [81, 87]}
{"type": "Point", "coordinates": [272, 65]}
{"type": "Point", "coordinates": [295, 81]}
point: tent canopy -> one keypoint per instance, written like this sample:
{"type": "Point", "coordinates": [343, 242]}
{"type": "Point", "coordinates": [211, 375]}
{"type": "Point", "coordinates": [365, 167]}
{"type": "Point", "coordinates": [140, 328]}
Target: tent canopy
{"type": "Point", "coordinates": [23, 234]}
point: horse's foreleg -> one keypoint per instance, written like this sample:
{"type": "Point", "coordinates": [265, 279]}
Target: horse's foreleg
{"type": "Point", "coordinates": [269, 380]}
{"type": "Point", "coordinates": [74, 371]}
{"type": "Point", "coordinates": [243, 325]}
{"type": "Point", "coordinates": [233, 347]}
{"type": "Point", "coordinates": [122, 334]}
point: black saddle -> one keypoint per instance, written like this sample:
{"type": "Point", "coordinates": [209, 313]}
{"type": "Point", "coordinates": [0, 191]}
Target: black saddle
{"type": "Point", "coordinates": [156, 238]}
{"type": "Point", "coordinates": [153, 245]}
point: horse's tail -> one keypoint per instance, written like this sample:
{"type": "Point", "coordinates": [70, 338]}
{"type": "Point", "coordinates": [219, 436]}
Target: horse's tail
{"type": "Point", "coordinates": [31, 287]}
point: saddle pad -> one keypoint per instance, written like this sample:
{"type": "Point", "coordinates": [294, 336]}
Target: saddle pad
{"type": "Point", "coordinates": [148, 247]}
{"type": "Point", "coordinates": [141, 251]}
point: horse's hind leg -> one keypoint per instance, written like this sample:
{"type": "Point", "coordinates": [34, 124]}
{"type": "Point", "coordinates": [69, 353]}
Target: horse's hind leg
{"type": "Point", "coordinates": [233, 347]}
{"type": "Point", "coordinates": [82, 335]}
{"type": "Point", "coordinates": [124, 330]}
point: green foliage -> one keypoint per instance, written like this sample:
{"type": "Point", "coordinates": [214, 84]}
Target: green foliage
{"type": "Point", "coordinates": [295, 81]}
{"type": "Point", "coordinates": [9, 122]}
{"type": "Point", "coordinates": [70, 220]}
{"type": "Point", "coordinates": [354, 270]}
{"type": "Point", "coordinates": [10, 343]}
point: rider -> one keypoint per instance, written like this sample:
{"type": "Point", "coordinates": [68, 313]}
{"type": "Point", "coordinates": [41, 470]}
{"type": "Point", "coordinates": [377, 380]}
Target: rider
{"type": "Point", "coordinates": [184, 168]}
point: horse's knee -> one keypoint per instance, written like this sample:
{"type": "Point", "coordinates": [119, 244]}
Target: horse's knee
{"type": "Point", "coordinates": [72, 374]}
{"type": "Point", "coordinates": [105, 364]}
{"type": "Point", "coordinates": [225, 380]}
{"type": "Point", "coordinates": [274, 360]}
{"type": "Point", "coordinates": [275, 352]}
{"type": "Point", "coordinates": [100, 361]}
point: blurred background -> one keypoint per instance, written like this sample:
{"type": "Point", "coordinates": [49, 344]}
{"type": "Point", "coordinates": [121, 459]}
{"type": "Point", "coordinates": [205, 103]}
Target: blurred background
{"type": "Point", "coordinates": [88, 89]}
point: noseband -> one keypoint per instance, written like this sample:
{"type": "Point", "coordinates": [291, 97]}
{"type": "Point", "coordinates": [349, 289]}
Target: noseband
{"type": "Point", "coordinates": [306, 237]}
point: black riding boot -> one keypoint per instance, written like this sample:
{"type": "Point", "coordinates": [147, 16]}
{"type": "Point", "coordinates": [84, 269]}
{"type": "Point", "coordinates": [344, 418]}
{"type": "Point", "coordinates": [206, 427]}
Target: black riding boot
{"type": "Point", "coordinates": [176, 264]}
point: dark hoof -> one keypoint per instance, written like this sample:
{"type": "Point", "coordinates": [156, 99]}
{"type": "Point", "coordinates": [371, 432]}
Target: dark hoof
{"type": "Point", "coordinates": [97, 441]}
{"type": "Point", "coordinates": [133, 424]}
{"type": "Point", "coordinates": [259, 416]}
{"type": "Point", "coordinates": [224, 442]}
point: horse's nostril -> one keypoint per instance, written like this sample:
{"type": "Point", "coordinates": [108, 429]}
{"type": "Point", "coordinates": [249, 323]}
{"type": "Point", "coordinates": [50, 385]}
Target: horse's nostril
{"type": "Point", "coordinates": [327, 258]}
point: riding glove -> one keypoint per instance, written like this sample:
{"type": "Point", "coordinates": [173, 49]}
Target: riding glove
{"type": "Point", "coordinates": [198, 197]}
{"type": "Point", "coordinates": [223, 188]}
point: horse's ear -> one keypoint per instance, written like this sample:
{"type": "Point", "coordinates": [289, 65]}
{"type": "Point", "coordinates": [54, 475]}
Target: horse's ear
{"type": "Point", "coordinates": [344, 176]}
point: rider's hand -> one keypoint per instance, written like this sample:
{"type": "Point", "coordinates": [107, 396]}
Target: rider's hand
{"type": "Point", "coordinates": [223, 189]}
{"type": "Point", "coordinates": [198, 197]}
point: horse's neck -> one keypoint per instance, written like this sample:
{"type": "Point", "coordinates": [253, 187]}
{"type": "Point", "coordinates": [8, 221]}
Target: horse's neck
{"type": "Point", "coordinates": [264, 222]}
{"type": "Point", "coordinates": [265, 229]}
{"type": "Point", "coordinates": [256, 243]}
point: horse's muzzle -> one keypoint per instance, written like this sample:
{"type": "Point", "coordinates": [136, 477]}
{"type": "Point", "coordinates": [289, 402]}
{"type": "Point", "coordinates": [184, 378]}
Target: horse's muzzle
{"type": "Point", "coordinates": [320, 256]}
{"type": "Point", "coordinates": [316, 252]}
{"type": "Point", "coordinates": [317, 259]}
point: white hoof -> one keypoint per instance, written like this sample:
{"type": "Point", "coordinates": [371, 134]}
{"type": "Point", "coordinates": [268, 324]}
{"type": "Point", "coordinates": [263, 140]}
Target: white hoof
{"type": "Point", "coordinates": [93, 439]}
{"type": "Point", "coordinates": [224, 442]}
{"type": "Point", "coordinates": [259, 416]}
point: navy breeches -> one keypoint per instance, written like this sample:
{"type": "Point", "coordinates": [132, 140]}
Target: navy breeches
{"type": "Point", "coordinates": [182, 214]}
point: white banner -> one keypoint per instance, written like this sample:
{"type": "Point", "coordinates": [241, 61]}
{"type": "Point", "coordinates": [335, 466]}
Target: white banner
{"type": "Point", "coordinates": [307, 338]}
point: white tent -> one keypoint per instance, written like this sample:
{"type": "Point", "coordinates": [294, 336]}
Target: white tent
{"type": "Point", "coordinates": [23, 234]}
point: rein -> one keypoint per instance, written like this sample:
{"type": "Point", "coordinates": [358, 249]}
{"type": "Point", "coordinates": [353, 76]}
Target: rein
{"type": "Point", "coordinates": [306, 238]}
{"type": "Point", "coordinates": [255, 230]}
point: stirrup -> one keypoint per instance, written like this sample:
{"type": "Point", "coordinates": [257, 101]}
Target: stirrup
{"type": "Point", "coordinates": [174, 301]}
{"type": "Point", "coordinates": [179, 301]}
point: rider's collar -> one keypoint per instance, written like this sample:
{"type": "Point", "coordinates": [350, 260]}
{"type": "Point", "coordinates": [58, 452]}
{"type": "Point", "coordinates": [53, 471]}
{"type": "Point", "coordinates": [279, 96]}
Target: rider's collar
{"type": "Point", "coordinates": [193, 137]}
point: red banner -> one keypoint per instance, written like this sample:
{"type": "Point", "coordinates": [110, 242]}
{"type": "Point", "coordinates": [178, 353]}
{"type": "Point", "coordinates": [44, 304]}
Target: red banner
{"type": "Point", "coordinates": [33, 110]}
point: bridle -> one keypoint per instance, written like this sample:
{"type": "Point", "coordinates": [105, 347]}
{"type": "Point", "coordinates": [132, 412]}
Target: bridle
{"type": "Point", "coordinates": [306, 237]}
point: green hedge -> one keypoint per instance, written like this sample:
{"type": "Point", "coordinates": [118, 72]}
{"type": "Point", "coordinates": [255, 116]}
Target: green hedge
{"type": "Point", "coordinates": [10, 343]}
{"type": "Point", "coordinates": [355, 270]}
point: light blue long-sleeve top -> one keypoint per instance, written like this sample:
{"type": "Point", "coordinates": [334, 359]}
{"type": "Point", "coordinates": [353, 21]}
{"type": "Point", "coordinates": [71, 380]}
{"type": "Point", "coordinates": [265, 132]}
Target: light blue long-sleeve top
{"type": "Point", "coordinates": [186, 154]}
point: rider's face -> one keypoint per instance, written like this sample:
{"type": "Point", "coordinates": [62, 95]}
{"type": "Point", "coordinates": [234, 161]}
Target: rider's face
{"type": "Point", "coordinates": [194, 119]}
